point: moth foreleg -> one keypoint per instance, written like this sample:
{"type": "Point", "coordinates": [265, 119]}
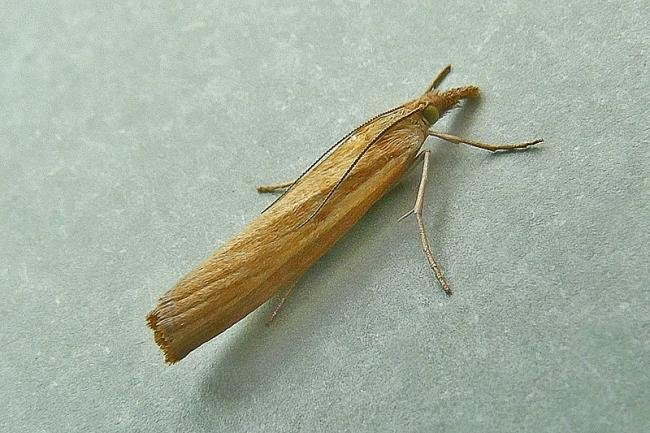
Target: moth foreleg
{"type": "Point", "coordinates": [274, 187]}
{"type": "Point", "coordinates": [490, 147]}
{"type": "Point", "coordinates": [417, 211]}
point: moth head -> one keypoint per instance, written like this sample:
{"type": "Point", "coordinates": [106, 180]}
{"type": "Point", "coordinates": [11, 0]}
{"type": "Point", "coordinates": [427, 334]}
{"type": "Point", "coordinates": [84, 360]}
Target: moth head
{"type": "Point", "coordinates": [431, 113]}
{"type": "Point", "coordinates": [437, 103]}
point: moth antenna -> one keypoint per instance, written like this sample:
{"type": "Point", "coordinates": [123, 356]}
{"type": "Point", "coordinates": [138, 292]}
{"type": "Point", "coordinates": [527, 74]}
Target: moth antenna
{"type": "Point", "coordinates": [438, 79]}
{"type": "Point", "coordinates": [328, 151]}
{"type": "Point", "coordinates": [354, 163]}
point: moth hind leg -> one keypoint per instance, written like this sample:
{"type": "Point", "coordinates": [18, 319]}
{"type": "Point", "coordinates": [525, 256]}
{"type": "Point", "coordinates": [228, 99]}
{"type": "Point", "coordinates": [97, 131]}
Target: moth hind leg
{"type": "Point", "coordinates": [280, 304]}
{"type": "Point", "coordinates": [274, 187]}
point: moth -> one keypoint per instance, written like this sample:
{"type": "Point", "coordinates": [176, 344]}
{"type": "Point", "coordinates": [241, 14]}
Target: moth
{"type": "Point", "coordinates": [313, 212]}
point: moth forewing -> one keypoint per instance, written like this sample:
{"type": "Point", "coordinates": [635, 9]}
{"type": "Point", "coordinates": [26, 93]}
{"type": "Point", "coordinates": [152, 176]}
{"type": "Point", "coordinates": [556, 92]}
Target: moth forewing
{"type": "Point", "coordinates": [276, 248]}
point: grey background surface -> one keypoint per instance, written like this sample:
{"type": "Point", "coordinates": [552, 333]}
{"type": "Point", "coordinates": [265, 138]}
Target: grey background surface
{"type": "Point", "coordinates": [132, 136]}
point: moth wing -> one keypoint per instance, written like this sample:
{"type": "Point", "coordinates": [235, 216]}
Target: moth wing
{"type": "Point", "coordinates": [331, 150]}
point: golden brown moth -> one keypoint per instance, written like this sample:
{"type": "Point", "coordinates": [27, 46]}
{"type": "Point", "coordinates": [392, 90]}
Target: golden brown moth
{"type": "Point", "coordinates": [306, 220]}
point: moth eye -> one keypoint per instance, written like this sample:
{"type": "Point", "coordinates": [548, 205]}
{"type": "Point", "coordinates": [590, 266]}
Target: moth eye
{"type": "Point", "coordinates": [431, 114]}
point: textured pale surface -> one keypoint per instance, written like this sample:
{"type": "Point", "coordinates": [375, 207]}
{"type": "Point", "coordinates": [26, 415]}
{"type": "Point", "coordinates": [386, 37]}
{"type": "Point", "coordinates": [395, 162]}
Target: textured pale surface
{"type": "Point", "coordinates": [131, 138]}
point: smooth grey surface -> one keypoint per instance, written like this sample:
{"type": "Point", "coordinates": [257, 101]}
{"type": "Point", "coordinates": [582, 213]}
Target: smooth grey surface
{"type": "Point", "coordinates": [131, 138]}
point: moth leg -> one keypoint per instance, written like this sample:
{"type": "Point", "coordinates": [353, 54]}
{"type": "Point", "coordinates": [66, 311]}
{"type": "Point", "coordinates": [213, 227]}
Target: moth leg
{"type": "Point", "coordinates": [441, 76]}
{"type": "Point", "coordinates": [417, 211]}
{"type": "Point", "coordinates": [490, 147]}
{"type": "Point", "coordinates": [274, 187]}
{"type": "Point", "coordinates": [278, 307]}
